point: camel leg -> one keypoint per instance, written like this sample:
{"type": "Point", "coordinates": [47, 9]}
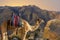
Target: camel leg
{"type": "Point", "coordinates": [24, 36]}
{"type": "Point", "coordinates": [4, 33]}
{"type": "Point", "coordinates": [5, 37]}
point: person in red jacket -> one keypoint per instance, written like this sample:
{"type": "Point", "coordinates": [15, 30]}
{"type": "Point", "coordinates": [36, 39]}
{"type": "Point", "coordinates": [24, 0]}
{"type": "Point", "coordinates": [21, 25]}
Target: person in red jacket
{"type": "Point", "coordinates": [16, 20]}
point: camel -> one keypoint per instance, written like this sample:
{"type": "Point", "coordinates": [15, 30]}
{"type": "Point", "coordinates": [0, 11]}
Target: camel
{"type": "Point", "coordinates": [47, 33]}
{"type": "Point", "coordinates": [4, 27]}
{"type": "Point", "coordinates": [22, 31]}
{"type": "Point", "coordinates": [4, 30]}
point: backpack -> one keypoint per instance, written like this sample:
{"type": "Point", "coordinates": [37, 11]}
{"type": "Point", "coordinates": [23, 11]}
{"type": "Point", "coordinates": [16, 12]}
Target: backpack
{"type": "Point", "coordinates": [12, 19]}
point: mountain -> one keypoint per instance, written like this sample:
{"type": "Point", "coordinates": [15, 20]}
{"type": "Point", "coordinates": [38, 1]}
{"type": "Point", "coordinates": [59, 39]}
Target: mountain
{"type": "Point", "coordinates": [30, 14]}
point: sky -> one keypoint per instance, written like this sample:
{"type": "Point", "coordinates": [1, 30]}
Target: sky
{"type": "Point", "coordinates": [52, 5]}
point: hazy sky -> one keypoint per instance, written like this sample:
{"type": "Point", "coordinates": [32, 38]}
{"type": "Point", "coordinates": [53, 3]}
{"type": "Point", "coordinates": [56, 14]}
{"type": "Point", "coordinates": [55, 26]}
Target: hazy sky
{"type": "Point", "coordinates": [43, 4]}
